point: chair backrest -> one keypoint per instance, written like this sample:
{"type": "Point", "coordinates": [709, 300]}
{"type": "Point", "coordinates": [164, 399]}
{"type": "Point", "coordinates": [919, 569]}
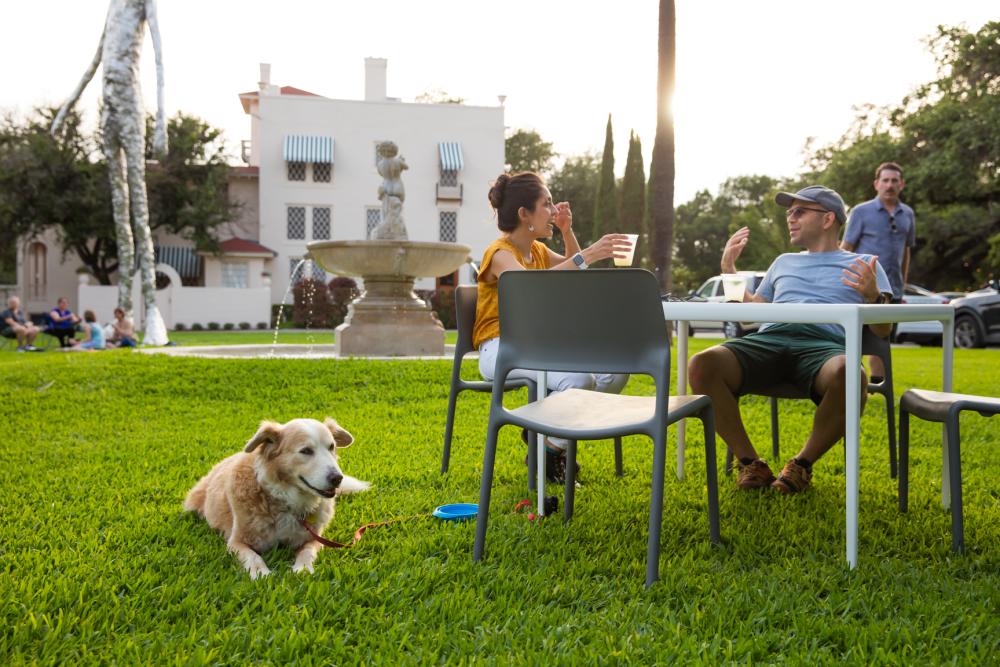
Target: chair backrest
{"type": "Point", "coordinates": [599, 320]}
{"type": "Point", "coordinates": [466, 298]}
{"type": "Point", "coordinates": [874, 345]}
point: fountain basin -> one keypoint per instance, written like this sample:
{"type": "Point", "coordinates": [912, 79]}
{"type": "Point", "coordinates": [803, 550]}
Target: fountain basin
{"type": "Point", "coordinates": [388, 319]}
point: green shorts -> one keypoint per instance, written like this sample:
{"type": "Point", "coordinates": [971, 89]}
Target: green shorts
{"type": "Point", "coordinates": [791, 353]}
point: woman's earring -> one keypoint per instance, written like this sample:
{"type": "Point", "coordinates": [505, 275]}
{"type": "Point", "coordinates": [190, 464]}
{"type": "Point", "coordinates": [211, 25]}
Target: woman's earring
{"type": "Point", "coordinates": [531, 228]}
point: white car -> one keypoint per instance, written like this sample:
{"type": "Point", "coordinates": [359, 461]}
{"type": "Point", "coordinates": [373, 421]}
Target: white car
{"type": "Point", "coordinates": [920, 332]}
{"type": "Point", "coordinates": [711, 290]}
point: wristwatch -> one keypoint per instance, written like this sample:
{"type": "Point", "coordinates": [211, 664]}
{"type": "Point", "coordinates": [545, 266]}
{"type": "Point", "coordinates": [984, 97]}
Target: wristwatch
{"type": "Point", "coordinates": [580, 262]}
{"type": "Point", "coordinates": [883, 298]}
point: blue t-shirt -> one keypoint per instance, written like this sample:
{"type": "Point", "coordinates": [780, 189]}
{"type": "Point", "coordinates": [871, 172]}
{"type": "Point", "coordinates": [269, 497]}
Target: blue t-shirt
{"type": "Point", "coordinates": [869, 231]}
{"type": "Point", "coordinates": [815, 277]}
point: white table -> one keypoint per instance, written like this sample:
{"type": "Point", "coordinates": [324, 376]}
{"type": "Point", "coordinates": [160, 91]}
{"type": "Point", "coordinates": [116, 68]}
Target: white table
{"type": "Point", "coordinates": [852, 317]}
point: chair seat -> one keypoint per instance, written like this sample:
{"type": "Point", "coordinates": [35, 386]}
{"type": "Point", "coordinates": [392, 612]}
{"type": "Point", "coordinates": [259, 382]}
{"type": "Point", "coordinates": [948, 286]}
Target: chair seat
{"type": "Point", "coordinates": [934, 405]}
{"type": "Point", "coordinates": [583, 410]}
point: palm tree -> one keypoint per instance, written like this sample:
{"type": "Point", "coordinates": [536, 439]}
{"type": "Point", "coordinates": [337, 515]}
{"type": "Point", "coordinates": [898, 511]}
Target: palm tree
{"type": "Point", "coordinates": [662, 167]}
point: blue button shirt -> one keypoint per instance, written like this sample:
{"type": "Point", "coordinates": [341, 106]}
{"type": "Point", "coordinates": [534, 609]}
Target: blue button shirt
{"type": "Point", "coordinates": [870, 231]}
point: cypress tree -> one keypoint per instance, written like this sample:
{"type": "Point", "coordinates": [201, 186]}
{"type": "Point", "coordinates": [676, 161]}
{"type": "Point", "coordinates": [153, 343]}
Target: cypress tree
{"type": "Point", "coordinates": [606, 202]}
{"type": "Point", "coordinates": [633, 195]}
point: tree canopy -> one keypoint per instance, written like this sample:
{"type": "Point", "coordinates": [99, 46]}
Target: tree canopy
{"type": "Point", "coordinates": [525, 150]}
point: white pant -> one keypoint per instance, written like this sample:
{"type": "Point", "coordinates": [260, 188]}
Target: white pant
{"type": "Point", "coordinates": [608, 383]}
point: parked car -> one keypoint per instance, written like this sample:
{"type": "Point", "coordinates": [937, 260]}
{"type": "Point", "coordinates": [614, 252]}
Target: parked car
{"type": "Point", "coordinates": [977, 317]}
{"type": "Point", "coordinates": [920, 332]}
{"type": "Point", "coordinates": [711, 290]}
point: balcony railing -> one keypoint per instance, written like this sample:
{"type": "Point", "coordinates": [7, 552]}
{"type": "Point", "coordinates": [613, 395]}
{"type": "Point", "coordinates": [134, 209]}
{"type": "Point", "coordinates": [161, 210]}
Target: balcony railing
{"type": "Point", "coordinates": [449, 192]}
{"type": "Point", "coordinates": [245, 150]}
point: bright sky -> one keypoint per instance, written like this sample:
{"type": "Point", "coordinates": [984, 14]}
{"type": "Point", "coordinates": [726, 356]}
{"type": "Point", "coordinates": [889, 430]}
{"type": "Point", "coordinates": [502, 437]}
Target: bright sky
{"type": "Point", "coordinates": [754, 79]}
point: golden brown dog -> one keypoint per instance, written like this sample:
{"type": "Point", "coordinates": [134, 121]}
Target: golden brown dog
{"type": "Point", "coordinates": [257, 498]}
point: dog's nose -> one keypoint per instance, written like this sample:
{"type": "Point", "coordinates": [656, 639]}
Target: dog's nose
{"type": "Point", "coordinates": [334, 479]}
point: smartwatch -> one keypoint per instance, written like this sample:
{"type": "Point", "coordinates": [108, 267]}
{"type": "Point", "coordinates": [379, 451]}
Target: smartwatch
{"type": "Point", "coordinates": [580, 262]}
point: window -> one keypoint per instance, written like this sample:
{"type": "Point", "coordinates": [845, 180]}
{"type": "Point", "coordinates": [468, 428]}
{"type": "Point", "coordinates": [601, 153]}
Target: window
{"type": "Point", "coordinates": [235, 274]}
{"type": "Point", "coordinates": [296, 223]}
{"type": "Point", "coordinates": [448, 226]}
{"type": "Point", "coordinates": [321, 172]}
{"type": "Point", "coordinates": [373, 218]}
{"type": "Point", "coordinates": [296, 171]}
{"type": "Point", "coordinates": [321, 223]}
{"type": "Point", "coordinates": [295, 269]}
{"type": "Point", "coordinates": [317, 272]}
{"type": "Point", "coordinates": [449, 178]}
{"type": "Point", "coordinates": [37, 270]}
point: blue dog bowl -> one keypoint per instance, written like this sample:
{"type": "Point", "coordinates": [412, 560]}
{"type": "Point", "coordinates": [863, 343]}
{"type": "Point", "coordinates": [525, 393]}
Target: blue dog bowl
{"type": "Point", "coordinates": [456, 511]}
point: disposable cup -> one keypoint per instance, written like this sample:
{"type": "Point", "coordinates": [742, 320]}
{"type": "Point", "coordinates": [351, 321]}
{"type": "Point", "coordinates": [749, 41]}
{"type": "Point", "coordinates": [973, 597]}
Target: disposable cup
{"type": "Point", "coordinates": [627, 259]}
{"type": "Point", "coordinates": [734, 286]}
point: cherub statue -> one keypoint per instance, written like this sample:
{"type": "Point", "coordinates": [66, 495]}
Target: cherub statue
{"type": "Point", "coordinates": [391, 192]}
{"type": "Point", "coordinates": [123, 131]}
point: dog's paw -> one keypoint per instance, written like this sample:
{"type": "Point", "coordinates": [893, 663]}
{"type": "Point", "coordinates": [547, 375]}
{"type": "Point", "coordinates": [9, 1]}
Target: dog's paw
{"type": "Point", "coordinates": [352, 485]}
{"type": "Point", "coordinates": [303, 567]}
{"type": "Point", "coordinates": [258, 570]}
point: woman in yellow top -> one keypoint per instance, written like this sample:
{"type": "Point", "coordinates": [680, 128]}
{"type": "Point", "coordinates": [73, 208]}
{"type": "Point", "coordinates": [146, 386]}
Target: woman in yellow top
{"type": "Point", "coordinates": [525, 214]}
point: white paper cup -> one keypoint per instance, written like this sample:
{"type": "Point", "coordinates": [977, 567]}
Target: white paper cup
{"type": "Point", "coordinates": [627, 260]}
{"type": "Point", "coordinates": [733, 286]}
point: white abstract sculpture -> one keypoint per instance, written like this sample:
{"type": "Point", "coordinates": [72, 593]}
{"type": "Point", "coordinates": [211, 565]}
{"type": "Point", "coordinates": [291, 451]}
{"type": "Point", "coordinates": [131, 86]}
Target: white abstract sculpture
{"type": "Point", "coordinates": [123, 130]}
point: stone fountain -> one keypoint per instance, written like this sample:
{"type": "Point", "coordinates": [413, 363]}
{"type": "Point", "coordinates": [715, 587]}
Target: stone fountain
{"type": "Point", "coordinates": [388, 319]}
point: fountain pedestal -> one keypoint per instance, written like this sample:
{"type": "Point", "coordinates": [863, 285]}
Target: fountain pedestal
{"type": "Point", "coordinates": [388, 319]}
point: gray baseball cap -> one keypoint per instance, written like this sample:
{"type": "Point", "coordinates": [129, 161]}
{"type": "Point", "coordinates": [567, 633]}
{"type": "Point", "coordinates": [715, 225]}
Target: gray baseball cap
{"type": "Point", "coordinates": [818, 194]}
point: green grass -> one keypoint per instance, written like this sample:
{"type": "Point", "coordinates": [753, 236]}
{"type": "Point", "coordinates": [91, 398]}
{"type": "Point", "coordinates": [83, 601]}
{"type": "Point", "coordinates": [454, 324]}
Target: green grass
{"type": "Point", "coordinates": [99, 565]}
{"type": "Point", "coordinates": [257, 337]}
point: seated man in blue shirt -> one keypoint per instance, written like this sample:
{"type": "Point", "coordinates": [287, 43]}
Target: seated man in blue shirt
{"type": "Point", "coordinates": [811, 356]}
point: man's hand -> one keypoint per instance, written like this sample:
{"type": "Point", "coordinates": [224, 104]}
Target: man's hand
{"type": "Point", "coordinates": [861, 276]}
{"type": "Point", "coordinates": [734, 248]}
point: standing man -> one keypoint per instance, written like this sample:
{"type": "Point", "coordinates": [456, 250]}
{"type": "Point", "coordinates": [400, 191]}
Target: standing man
{"type": "Point", "coordinates": [884, 227]}
{"type": "Point", "coordinates": [811, 356]}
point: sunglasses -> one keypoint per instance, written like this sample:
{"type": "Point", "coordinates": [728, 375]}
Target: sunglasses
{"type": "Point", "coordinates": [799, 211]}
{"type": "Point", "coordinates": [892, 223]}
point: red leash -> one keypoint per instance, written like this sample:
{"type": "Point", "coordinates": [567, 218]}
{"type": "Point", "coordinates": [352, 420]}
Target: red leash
{"type": "Point", "coordinates": [357, 534]}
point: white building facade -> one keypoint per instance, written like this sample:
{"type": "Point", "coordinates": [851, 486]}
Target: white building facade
{"type": "Point", "coordinates": [317, 175]}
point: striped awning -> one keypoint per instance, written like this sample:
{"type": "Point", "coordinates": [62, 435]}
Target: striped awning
{"type": "Point", "coordinates": [308, 148]}
{"type": "Point", "coordinates": [451, 155]}
{"type": "Point", "coordinates": [183, 260]}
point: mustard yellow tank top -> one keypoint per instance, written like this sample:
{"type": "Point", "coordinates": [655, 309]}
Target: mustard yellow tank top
{"type": "Point", "coordinates": [487, 306]}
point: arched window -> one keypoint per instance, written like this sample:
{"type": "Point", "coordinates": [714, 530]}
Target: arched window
{"type": "Point", "coordinates": [37, 271]}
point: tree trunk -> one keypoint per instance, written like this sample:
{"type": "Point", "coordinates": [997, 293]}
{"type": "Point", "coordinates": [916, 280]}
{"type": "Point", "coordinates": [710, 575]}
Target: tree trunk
{"type": "Point", "coordinates": [662, 168]}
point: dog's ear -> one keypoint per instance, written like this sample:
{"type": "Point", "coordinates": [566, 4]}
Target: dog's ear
{"type": "Point", "coordinates": [268, 434]}
{"type": "Point", "coordinates": [341, 437]}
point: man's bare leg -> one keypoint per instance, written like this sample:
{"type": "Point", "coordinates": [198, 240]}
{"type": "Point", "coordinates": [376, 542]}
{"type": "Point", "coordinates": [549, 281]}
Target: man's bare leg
{"type": "Point", "coordinates": [717, 374]}
{"type": "Point", "coordinates": [828, 422]}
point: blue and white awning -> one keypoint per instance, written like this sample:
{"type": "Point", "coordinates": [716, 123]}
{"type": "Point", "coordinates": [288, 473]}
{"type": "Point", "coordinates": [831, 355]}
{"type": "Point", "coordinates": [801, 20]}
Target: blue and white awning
{"type": "Point", "coordinates": [308, 148]}
{"type": "Point", "coordinates": [183, 260]}
{"type": "Point", "coordinates": [451, 155]}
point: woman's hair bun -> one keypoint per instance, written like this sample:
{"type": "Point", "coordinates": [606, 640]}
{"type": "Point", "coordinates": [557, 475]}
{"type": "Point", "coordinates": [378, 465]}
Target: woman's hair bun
{"type": "Point", "coordinates": [498, 191]}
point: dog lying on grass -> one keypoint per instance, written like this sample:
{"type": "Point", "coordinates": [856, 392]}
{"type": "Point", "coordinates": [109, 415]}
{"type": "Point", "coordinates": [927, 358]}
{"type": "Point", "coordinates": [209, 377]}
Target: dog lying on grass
{"type": "Point", "coordinates": [286, 473]}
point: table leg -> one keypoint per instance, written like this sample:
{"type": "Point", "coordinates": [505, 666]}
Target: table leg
{"type": "Point", "coordinates": [682, 357]}
{"type": "Point", "coordinates": [852, 421]}
{"type": "Point", "coordinates": [947, 363]}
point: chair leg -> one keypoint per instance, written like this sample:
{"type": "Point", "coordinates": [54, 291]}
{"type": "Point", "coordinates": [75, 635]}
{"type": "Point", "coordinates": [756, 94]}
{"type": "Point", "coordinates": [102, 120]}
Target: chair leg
{"type": "Point", "coordinates": [775, 437]}
{"type": "Point", "coordinates": [955, 475]}
{"type": "Point", "coordinates": [656, 509]}
{"type": "Point", "coordinates": [448, 426]}
{"type": "Point", "coordinates": [569, 490]}
{"type": "Point", "coordinates": [532, 461]}
{"type": "Point", "coordinates": [890, 419]}
{"type": "Point", "coordinates": [729, 461]}
{"type": "Point", "coordinates": [904, 458]}
{"type": "Point", "coordinates": [485, 489]}
{"type": "Point", "coordinates": [618, 457]}
{"type": "Point", "coordinates": [711, 475]}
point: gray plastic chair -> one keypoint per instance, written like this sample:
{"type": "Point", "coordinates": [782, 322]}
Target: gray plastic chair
{"type": "Point", "coordinates": [599, 320]}
{"type": "Point", "coordinates": [940, 406]}
{"type": "Point", "coordinates": [871, 345]}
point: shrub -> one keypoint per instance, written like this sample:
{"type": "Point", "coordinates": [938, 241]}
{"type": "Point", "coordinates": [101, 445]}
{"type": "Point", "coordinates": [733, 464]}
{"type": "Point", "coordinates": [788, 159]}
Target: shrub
{"type": "Point", "coordinates": [442, 302]}
{"type": "Point", "coordinates": [179, 326]}
{"type": "Point", "coordinates": [213, 326]}
{"type": "Point", "coordinates": [322, 305]}
{"type": "Point", "coordinates": [262, 325]}
{"type": "Point", "coordinates": [197, 327]}
{"type": "Point", "coordinates": [244, 325]}
{"type": "Point", "coordinates": [228, 326]}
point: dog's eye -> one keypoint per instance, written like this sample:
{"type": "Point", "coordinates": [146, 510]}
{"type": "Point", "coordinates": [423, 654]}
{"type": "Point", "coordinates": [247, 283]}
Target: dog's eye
{"type": "Point", "coordinates": [307, 451]}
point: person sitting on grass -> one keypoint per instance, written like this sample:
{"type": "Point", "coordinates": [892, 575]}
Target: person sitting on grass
{"type": "Point", "coordinates": [123, 331]}
{"type": "Point", "coordinates": [13, 324]}
{"type": "Point", "coordinates": [62, 323]}
{"type": "Point", "coordinates": [93, 331]}
{"type": "Point", "coordinates": [525, 215]}
{"type": "Point", "coordinates": [811, 356]}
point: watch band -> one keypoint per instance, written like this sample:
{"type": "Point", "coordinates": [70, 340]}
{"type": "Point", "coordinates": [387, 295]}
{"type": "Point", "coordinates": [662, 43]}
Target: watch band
{"type": "Point", "coordinates": [580, 262]}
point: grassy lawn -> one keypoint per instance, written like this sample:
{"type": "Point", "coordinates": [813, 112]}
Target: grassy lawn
{"type": "Point", "coordinates": [99, 565]}
{"type": "Point", "coordinates": [266, 337]}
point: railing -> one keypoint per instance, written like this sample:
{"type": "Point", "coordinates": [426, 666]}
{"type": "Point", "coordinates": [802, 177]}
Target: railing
{"type": "Point", "coordinates": [449, 192]}
{"type": "Point", "coordinates": [246, 146]}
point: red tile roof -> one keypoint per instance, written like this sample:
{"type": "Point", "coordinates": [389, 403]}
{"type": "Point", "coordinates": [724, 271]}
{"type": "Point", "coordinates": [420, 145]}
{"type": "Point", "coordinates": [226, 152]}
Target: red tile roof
{"type": "Point", "coordinates": [237, 246]}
